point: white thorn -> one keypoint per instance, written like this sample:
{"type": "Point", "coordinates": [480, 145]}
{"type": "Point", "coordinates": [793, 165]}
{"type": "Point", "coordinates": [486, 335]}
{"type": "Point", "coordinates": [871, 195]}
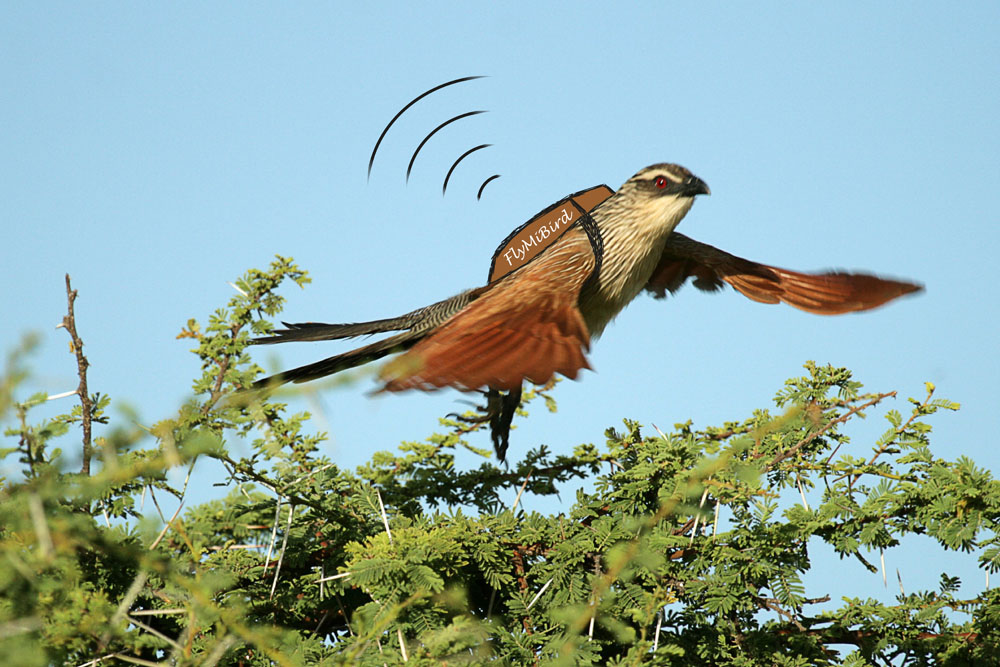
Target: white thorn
{"type": "Point", "coordinates": [802, 493]}
{"type": "Point", "coordinates": [519, 492]}
{"type": "Point", "coordinates": [402, 644]}
{"type": "Point", "coordinates": [715, 524]}
{"type": "Point", "coordinates": [538, 594]}
{"type": "Point", "coordinates": [385, 519]}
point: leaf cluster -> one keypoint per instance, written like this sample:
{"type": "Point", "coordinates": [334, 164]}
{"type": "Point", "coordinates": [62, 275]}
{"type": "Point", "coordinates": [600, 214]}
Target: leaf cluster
{"type": "Point", "coordinates": [689, 547]}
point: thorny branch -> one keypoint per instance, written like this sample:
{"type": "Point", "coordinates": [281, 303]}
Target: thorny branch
{"type": "Point", "coordinates": [76, 346]}
{"type": "Point", "coordinates": [878, 398]}
{"type": "Point", "coordinates": [223, 365]}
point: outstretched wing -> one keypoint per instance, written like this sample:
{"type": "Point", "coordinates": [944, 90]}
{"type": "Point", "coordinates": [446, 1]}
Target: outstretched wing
{"type": "Point", "coordinates": [828, 293]}
{"type": "Point", "coordinates": [525, 327]}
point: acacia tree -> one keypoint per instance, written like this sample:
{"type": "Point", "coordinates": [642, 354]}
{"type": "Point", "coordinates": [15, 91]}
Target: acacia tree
{"type": "Point", "coordinates": [681, 554]}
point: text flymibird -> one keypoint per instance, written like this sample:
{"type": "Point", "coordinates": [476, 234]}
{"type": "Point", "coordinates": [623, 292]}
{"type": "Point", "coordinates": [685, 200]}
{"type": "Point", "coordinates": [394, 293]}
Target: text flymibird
{"type": "Point", "coordinates": [539, 320]}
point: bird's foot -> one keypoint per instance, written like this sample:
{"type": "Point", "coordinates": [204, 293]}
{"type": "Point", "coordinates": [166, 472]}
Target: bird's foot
{"type": "Point", "coordinates": [499, 412]}
{"type": "Point", "coordinates": [486, 412]}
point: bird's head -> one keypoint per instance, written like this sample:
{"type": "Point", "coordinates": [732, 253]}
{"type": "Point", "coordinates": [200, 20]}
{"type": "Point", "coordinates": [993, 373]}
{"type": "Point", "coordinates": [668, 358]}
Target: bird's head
{"type": "Point", "coordinates": [661, 194]}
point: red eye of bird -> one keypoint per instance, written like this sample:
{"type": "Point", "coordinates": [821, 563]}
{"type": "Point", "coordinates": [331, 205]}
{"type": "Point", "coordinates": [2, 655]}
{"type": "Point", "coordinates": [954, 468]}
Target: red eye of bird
{"type": "Point", "coordinates": [660, 182]}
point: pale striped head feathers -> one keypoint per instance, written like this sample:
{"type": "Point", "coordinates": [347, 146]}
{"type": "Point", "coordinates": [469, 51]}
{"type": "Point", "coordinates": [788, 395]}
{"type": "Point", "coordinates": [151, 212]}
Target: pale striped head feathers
{"type": "Point", "coordinates": [656, 198]}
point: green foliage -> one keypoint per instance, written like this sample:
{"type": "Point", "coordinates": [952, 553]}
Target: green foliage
{"type": "Point", "coordinates": [691, 548]}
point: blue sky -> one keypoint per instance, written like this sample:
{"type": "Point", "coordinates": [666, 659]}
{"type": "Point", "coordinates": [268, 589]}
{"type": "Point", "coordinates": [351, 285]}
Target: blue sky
{"type": "Point", "coordinates": [155, 153]}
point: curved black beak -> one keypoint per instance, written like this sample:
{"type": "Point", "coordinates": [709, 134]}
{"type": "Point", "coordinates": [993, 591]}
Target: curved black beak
{"type": "Point", "coordinates": [695, 186]}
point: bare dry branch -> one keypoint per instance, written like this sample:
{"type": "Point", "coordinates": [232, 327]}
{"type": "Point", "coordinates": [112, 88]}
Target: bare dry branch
{"type": "Point", "coordinates": [87, 407]}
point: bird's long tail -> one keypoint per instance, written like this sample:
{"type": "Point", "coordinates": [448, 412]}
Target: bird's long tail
{"type": "Point", "coordinates": [415, 326]}
{"type": "Point", "coordinates": [297, 332]}
{"type": "Point", "coordinates": [342, 362]}
{"type": "Point", "coordinates": [422, 319]}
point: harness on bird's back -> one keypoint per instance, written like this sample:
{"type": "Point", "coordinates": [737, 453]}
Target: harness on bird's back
{"type": "Point", "coordinates": [528, 241]}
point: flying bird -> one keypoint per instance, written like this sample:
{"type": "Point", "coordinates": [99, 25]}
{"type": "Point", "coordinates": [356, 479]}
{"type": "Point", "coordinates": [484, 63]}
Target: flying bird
{"type": "Point", "coordinates": [540, 319]}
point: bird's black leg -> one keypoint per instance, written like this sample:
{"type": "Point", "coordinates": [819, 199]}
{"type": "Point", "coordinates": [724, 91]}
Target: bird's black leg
{"type": "Point", "coordinates": [501, 420]}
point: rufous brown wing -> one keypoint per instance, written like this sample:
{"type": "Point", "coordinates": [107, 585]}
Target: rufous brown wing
{"type": "Point", "coordinates": [829, 293]}
{"type": "Point", "coordinates": [526, 327]}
